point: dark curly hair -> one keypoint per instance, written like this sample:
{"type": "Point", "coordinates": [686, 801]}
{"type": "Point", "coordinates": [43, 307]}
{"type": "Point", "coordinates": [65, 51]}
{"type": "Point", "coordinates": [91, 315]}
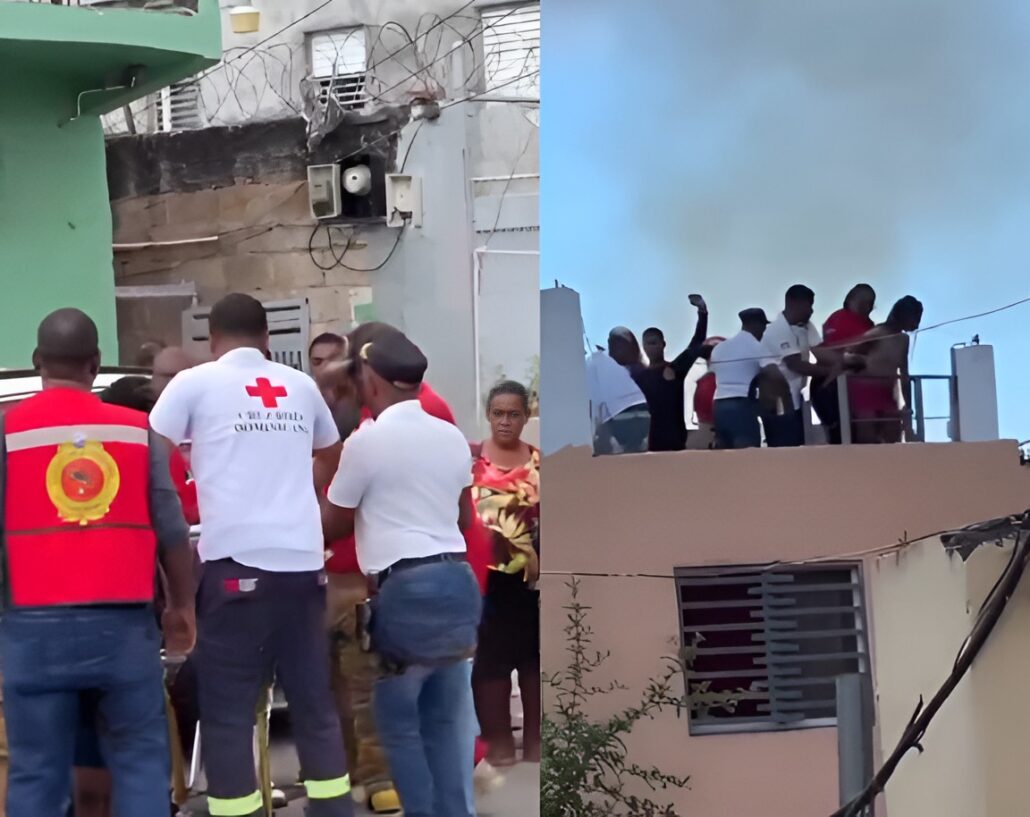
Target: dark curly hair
{"type": "Point", "coordinates": [131, 392]}
{"type": "Point", "coordinates": [509, 387]}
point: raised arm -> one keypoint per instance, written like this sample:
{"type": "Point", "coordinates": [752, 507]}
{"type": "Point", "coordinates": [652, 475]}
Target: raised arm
{"type": "Point", "coordinates": [688, 357]}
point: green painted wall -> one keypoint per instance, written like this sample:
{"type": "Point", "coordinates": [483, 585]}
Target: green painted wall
{"type": "Point", "coordinates": [55, 218]}
{"type": "Point", "coordinates": [55, 221]}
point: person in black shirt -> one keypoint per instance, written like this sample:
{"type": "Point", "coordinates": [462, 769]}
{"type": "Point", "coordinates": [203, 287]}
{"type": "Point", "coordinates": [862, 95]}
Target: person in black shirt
{"type": "Point", "coordinates": [662, 382]}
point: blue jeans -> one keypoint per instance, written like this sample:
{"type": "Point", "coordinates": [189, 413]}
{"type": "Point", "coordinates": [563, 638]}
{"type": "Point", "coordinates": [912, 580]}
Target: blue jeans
{"type": "Point", "coordinates": [426, 620]}
{"type": "Point", "coordinates": [427, 724]}
{"type": "Point", "coordinates": [427, 615]}
{"type": "Point", "coordinates": [49, 659]}
{"type": "Point", "coordinates": [736, 423]}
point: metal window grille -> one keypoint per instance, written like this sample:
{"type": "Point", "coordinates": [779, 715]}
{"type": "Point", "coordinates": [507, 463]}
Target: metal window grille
{"type": "Point", "coordinates": [180, 106]}
{"type": "Point", "coordinates": [339, 64]}
{"type": "Point", "coordinates": [289, 330]}
{"type": "Point", "coordinates": [511, 49]}
{"type": "Point", "coordinates": [764, 646]}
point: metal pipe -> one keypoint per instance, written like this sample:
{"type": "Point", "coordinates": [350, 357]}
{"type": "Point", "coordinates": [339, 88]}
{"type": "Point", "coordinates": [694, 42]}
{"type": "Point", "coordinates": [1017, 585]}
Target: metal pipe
{"type": "Point", "coordinates": [146, 245]}
{"type": "Point", "coordinates": [477, 179]}
{"type": "Point", "coordinates": [844, 409]}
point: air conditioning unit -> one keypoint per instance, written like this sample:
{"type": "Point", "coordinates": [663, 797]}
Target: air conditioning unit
{"type": "Point", "coordinates": [324, 191]}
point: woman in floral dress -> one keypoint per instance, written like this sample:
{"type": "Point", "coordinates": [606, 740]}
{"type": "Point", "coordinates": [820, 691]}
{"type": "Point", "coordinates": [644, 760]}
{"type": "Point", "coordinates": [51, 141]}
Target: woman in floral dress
{"type": "Point", "coordinates": [506, 478]}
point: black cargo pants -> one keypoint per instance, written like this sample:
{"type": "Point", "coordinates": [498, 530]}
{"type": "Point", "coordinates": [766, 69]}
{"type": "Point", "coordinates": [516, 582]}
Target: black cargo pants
{"type": "Point", "coordinates": [253, 625]}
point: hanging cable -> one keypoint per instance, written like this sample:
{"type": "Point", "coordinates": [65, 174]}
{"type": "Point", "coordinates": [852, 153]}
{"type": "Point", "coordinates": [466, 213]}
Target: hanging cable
{"type": "Point", "coordinates": [912, 736]}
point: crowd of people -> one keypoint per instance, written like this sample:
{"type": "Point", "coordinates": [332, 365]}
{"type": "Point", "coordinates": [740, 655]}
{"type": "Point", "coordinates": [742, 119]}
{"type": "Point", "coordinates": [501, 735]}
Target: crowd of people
{"type": "Point", "coordinates": [356, 551]}
{"type": "Point", "coordinates": [757, 381]}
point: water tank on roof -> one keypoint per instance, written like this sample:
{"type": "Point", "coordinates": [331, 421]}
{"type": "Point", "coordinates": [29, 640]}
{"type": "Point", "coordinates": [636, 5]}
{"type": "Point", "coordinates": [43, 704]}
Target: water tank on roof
{"type": "Point", "coordinates": [974, 394]}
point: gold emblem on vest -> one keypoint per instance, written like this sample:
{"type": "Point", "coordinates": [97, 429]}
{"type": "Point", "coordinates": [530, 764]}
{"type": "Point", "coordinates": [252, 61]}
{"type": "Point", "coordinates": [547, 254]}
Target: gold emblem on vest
{"type": "Point", "coordinates": [82, 481]}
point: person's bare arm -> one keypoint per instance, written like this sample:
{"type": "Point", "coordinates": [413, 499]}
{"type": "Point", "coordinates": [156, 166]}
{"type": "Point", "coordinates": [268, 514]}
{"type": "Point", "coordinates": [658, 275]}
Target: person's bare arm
{"type": "Point", "coordinates": [466, 510]}
{"type": "Point", "coordinates": [688, 357]}
{"type": "Point", "coordinates": [807, 368]}
{"type": "Point", "coordinates": [179, 620]}
{"type": "Point", "coordinates": [906, 384]}
{"type": "Point", "coordinates": [772, 388]}
{"type": "Point", "coordinates": [325, 463]}
{"type": "Point", "coordinates": [337, 522]}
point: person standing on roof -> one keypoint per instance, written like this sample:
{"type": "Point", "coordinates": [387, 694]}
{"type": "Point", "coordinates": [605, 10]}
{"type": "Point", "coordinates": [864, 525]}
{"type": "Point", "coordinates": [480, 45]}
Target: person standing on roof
{"type": "Point", "coordinates": [740, 366]}
{"type": "Point", "coordinates": [618, 407]}
{"type": "Point", "coordinates": [704, 398]}
{"type": "Point", "coordinates": [662, 382]}
{"type": "Point", "coordinates": [89, 511]}
{"type": "Point", "coordinates": [792, 340]}
{"type": "Point", "coordinates": [404, 485]}
{"type": "Point", "coordinates": [255, 425]}
{"type": "Point", "coordinates": [845, 325]}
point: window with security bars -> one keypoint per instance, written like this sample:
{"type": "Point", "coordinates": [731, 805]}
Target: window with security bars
{"type": "Point", "coordinates": [764, 645]}
{"type": "Point", "coordinates": [339, 65]}
{"type": "Point", "coordinates": [511, 49]}
{"type": "Point", "coordinates": [180, 106]}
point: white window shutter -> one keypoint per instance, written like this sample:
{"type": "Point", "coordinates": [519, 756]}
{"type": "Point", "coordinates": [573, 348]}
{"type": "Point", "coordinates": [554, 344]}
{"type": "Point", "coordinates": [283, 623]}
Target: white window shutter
{"type": "Point", "coordinates": [511, 49]}
{"type": "Point", "coordinates": [339, 62]}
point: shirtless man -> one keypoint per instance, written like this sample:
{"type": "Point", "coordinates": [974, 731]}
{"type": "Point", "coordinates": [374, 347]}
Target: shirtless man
{"type": "Point", "coordinates": [873, 395]}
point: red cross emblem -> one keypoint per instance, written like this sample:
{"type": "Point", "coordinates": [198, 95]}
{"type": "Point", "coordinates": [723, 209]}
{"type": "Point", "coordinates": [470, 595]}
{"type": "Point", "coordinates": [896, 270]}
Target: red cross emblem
{"type": "Point", "coordinates": [268, 393]}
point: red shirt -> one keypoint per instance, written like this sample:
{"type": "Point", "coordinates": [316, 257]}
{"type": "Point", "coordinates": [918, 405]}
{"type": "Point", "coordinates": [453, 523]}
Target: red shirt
{"type": "Point", "coordinates": [184, 486]}
{"type": "Point", "coordinates": [844, 325]}
{"type": "Point", "coordinates": [477, 543]}
{"type": "Point", "coordinates": [704, 399]}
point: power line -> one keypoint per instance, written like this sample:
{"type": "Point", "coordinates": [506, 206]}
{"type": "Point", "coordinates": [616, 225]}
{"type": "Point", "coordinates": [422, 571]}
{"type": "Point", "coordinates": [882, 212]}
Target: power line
{"type": "Point", "coordinates": [915, 730]}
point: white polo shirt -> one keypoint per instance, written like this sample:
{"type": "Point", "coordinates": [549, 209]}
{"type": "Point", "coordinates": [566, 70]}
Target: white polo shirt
{"type": "Point", "coordinates": [736, 362]}
{"type": "Point", "coordinates": [254, 425]}
{"type": "Point", "coordinates": [783, 340]}
{"type": "Point", "coordinates": [404, 474]}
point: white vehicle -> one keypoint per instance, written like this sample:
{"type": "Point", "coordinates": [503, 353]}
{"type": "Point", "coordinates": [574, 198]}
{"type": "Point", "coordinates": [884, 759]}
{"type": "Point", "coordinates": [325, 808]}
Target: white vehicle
{"type": "Point", "coordinates": [19, 384]}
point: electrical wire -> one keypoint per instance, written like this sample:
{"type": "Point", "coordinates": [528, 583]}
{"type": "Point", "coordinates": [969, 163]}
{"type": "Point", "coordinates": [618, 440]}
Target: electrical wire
{"type": "Point", "coordinates": [338, 259]}
{"type": "Point", "coordinates": [914, 732]}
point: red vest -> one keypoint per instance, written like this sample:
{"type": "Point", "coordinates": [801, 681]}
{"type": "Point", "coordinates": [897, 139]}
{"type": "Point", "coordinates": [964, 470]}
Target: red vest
{"type": "Point", "coordinates": [76, 510]}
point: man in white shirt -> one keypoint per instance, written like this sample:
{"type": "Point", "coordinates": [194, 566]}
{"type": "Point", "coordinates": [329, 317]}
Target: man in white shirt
{"type": "Point", "coordinates": [791, 340]}
{"type": "Point", "coordinates": [739, 364]}
{"type": "Point", "coordinates": [403, 488]}
{"type": "Point", "coordinates": [254, 425]}
{"type": "Point", "coordinates": [618, 407]}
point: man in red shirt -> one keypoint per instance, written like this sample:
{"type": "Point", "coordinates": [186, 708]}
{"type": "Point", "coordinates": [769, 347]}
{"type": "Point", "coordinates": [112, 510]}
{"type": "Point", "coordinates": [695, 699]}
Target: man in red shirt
{"type": "Point", "coordinates": [845, 325]}
{"type": "Point", "coordinates": [704, 398]}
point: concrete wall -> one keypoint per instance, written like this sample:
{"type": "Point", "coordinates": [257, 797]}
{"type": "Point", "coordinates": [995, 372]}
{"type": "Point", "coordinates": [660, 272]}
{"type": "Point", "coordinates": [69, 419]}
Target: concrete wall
{"type": "Point", "coordinates": [55, 226]}
{"type": "Point", "coordinates": [649, 514]}
{"type": "Point", "coordinates": [241, 92]}
{"type": "Point", "coordinates": [973, 759]}
{"type": "Point", "coordinates": [56, 244]}
{"type": "Point", "coordinates": [196, 185]}
{"type": "Point", "coordinates": [563, 374]}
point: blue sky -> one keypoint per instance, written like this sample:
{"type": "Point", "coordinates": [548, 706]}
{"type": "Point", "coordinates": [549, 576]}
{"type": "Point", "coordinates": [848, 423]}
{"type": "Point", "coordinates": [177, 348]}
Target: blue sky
{"type": "Point", "coordinates": [734, 149]}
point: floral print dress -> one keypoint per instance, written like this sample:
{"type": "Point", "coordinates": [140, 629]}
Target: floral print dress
{"type": "Point", "coordinates": [508, 503]}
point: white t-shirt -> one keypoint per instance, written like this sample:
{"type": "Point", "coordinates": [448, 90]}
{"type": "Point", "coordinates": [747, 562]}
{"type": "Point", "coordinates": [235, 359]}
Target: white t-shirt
{"type": "Point", "coordinates": [254, 425]}
{"type": "Point", "coordinates": [404, 474]}
{"type": "Point", "coordinates": [612, 388]}
{"type": "Point", "coordinates": [783, 340]}
{"type": "Point", "coordinates": [736, 362]}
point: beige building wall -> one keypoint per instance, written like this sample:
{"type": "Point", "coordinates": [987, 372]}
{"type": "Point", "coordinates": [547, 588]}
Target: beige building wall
{"type": "Point", "coordinates": [926, 600]}
{"type": "Point", "coordinates": [651, 513]}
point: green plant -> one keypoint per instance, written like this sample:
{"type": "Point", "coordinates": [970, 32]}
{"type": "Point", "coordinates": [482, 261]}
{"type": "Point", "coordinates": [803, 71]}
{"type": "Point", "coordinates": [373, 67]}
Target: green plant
{"type": "Point", "coordinates": [586, 771]}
